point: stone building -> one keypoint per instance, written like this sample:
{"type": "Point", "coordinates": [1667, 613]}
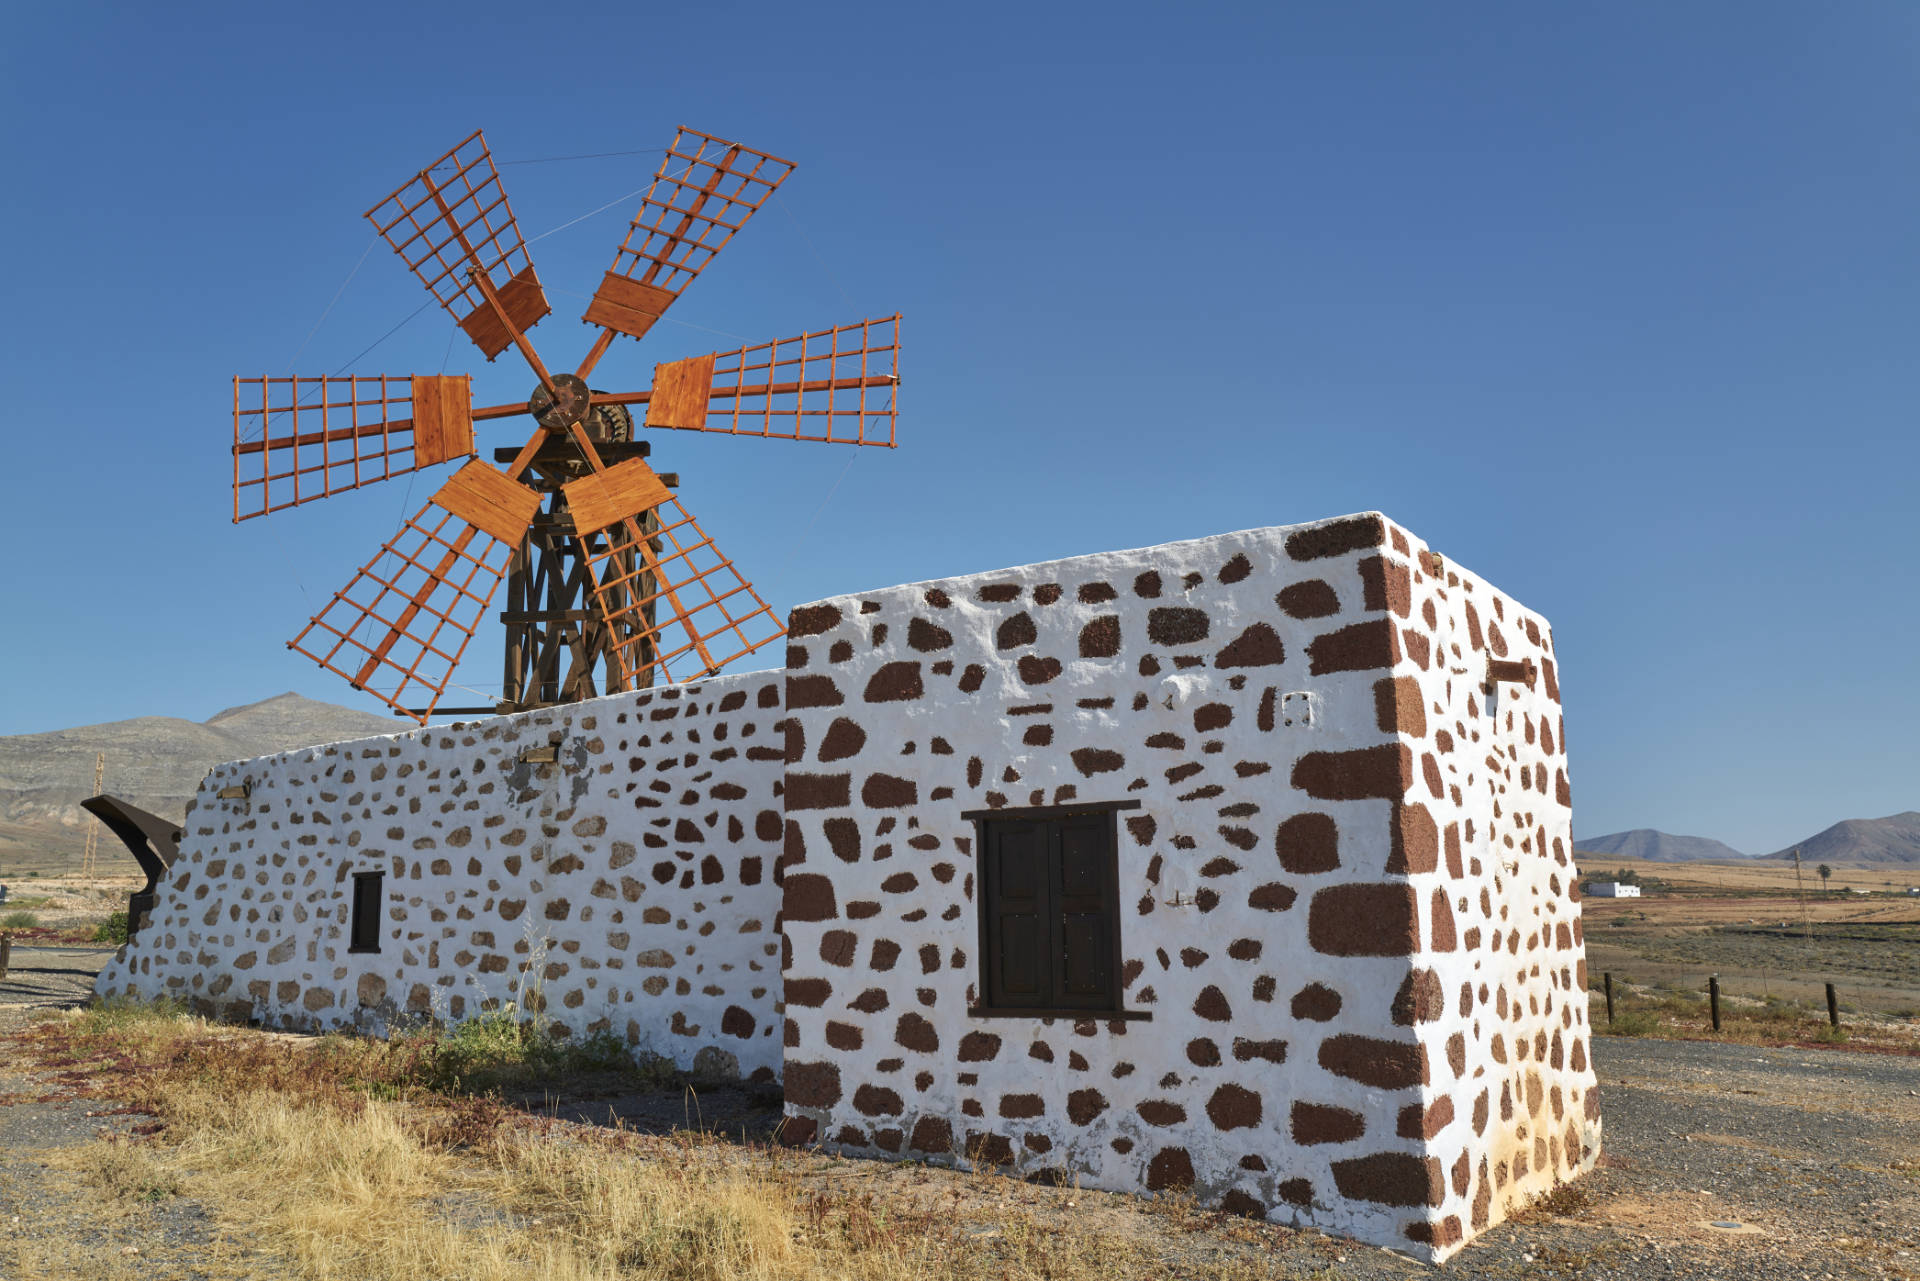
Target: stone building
{"type": "Point", "coordinates": [1241, 864]}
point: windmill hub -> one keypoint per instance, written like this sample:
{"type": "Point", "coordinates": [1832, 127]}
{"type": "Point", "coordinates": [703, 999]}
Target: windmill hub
{"type": "Point", "coordinates": [573, 405]}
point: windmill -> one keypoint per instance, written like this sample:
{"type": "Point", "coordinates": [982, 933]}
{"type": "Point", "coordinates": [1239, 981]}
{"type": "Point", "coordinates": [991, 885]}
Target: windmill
{"type": "Point", "coordinates": [597, 546]}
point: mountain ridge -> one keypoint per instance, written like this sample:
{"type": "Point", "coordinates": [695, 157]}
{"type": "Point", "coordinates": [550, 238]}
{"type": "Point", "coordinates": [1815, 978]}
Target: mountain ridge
{"type": "Point", "coordinates": [156, 762]}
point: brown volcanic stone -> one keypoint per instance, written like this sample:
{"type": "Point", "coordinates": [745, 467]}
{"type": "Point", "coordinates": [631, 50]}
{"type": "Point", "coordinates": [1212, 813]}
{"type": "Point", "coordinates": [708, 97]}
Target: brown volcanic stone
{"type": "Point", "coordinates": [817, 791]}
{"type": "Point", "coordinates": [1170, 1169]}
{"type": "Point", "coordinates": [1147, 585]}
{"type": "Point", "coordinates": [1160, 1112]}
{"type": "Point", "coordinates": [1337, 538]}
{"type": "Point", "coordinates": [1236, 569]}
{"type": "Point", "coordinates": [1203, 1053]}
{"type": "Point", "coordinates": [1233, 1107]}
{"type": "Point", "coordinates": [843, 838]}
{"type": "Point", "coordinates": [1084, 1105]}
{"type": "Point", "coordinates": [1397, 706]}
{"type": "Point", "coordinates": [895, 683]}
{"type": "Point", "coordinates": [811, 1085]}
{"type": "Point", "coordinates": [884, 791]}
{"type": "Point", "coordinates": [1443, 933]}
{"type": "Point", "coordinates": [876, 1100]}
{"type": "Point", "coordinates": [813, 620]}
{"type": "Point", "coordinates": [812, 691]}
{"type": "Point", "coordinates": [932, 1134]}
{"type": "Point", "coordinates": [1269, 1051]}
{"type": "Point", "coordinates": [1452, 844]}
{"type": "Point", "coordinates": [811, 993]}
{"type": "Point", "coordinates": [1019, 1107]}
{"type": "Point", "coordinates": [913, 1032]}
{"type": "Point", "coordinates": [1419, 1000]}
{"type": "Point", "coordinates": [1319, 1123]}
{"type": "Point", "coordinates": [1096, 760]}
{"type": "Point", "coordinates": [978, 1047]}
{"type": "Point", "coordinates": [1100, 638]}
{"type": "Point", "coordinates": [1358, 647]}
{"type": "Point", "coordinates": [796, 1131]}
{"type": "Point", "coordinates": [1308, 843]}
{"type": "Point", "coordinates": [1364, 920]}
{"type": "Point", "coordinates": [926, 637]}
{"type": "Point", "coordinates": [1417, 1122]}
{"type": "Point", "coordinates": [1296, 1192]}
{"type": "Point", "coordinates": [1310, 599]}
{"type": "Point", "coordinates": [808, 897]}
{"type": "Point", "coordinates": [1388, 585]}
{"type": "Point", "coordinates": [1391, 1178]}
{"type": "Point", "coordinates": [1016, 631]}
{"type": "Point", "coordinates": [1383, 772]}
{"type": "Point", "coordinates": [1037, 670]}
{"type": "Point", "coordinates": [1385, 1065]}
{"type": "Point", "coordinates": [1317, 1002]}
{"type": "Point", "coordinates": [1272, 897]}
{"type": "Point", "coordinates": [1176, 625]}
{"type": "Point", "coordinates": [1212, 1004]}
{"type": "Point", "coordinates": [1258, 646]}
{"type": "Point", "coordinates": [1415, 841]}
{"type": "Point", "coordinates": [843, 739]}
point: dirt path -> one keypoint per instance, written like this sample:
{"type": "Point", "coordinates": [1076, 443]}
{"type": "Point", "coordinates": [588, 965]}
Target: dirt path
{"type": "Point", "coordinates": [1722, 1160]}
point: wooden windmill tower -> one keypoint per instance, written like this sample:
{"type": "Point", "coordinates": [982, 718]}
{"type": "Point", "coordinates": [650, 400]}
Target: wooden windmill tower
{"type": "Point", "coordinates": [613, 585]}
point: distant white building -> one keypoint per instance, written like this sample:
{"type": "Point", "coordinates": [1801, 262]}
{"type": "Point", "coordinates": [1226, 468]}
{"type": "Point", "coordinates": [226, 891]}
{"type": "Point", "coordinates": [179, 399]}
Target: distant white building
{"type": "Point", "coordinates": [1612, 889]}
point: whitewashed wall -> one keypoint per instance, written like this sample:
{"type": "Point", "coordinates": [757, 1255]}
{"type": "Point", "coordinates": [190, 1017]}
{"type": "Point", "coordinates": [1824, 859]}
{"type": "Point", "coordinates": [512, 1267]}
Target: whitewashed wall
{"type": "Point", "coordinates": [635, 876]}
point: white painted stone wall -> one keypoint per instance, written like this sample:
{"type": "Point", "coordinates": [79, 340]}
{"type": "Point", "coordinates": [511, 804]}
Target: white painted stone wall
{"type": "Point", "coordinates": [629, 886]}
{"type": "Point", "coordinates": [1347, 900]}
{"type": "Point", "coordinates": [1264, 695]}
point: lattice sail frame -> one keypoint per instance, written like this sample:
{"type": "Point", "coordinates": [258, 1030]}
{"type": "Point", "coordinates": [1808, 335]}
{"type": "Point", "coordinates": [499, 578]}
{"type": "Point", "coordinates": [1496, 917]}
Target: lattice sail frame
{"type": "Point", "coordinates": [457, 203]}
{"type": "Point", "coordinates": [717, 616]}
{"type": "Point", "coordinates": [391, 619]}
{"type": "Point", "coordinates": [336, 434]}
{"type": "Point", "coordinates": [678, 231]}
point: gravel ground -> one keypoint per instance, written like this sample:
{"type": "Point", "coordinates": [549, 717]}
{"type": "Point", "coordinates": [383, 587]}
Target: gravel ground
{"type": "Point", "coordinates": [1721, 1160]}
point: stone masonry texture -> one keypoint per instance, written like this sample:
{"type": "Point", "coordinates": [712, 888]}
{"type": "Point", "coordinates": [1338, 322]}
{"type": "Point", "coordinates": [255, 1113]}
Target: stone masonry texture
{"type": "Point", "coordinates": [1348, 910]}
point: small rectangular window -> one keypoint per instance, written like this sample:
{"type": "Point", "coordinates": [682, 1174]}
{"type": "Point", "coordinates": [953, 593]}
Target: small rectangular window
{"type": "Point", "coordinates": [1049, 900]}
{"type": "Point", "coordinates": [368, 890]}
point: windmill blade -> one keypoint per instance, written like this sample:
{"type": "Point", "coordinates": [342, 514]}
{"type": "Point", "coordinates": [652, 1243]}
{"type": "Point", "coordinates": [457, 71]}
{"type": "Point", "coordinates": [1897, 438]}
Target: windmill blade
{"type": "Point", "coordinates": [703, 192]}
{"type": "Point", "coordinates": [451, 217]}
{"type": "Point", "coordinates": [408, 615]}
{"type": "Point", "coordinates": [655, 560]}
{"type": "Point", "coordinates": [839, 386]}
{"type": "Point", "coordinates": [299, 439]}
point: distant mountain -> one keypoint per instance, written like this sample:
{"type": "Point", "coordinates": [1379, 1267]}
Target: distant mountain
{"type": "Point", "coordinates": [156, 762]}
{"type": "Point", "coordinates": [1660, 847]}
{"type": "Point", "coordinates": [1894, 839]}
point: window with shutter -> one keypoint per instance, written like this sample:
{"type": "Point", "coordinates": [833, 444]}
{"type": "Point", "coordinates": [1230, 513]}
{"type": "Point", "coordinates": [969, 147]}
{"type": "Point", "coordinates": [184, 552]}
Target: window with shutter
{"type": "Point", "coordinates": [1050, 911]}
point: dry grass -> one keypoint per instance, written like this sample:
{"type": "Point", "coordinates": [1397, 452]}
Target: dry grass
{"type": "Point", "coordinates": [335, 1154]}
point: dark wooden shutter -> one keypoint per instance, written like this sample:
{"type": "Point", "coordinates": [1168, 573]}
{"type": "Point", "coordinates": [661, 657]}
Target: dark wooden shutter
{"type": "Point", "coordinates": [1017, 924]}
{"type": "Point", "coordinates": [364, 933]}
{"type": "Point", "coordinates": [1084, 912]}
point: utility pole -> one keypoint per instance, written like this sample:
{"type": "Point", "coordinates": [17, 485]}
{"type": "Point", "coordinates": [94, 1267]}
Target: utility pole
{"type": "Point", "coordinates": [93, 823]}
{"type": "Point", "coordinates": [1806, 922]}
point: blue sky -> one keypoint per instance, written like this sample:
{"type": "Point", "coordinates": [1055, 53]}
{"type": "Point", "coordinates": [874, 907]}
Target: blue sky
{"type": "Point", "coordinates": [1614, 304]}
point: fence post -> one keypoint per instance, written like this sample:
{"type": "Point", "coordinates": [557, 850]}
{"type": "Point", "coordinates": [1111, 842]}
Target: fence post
{"type": "Point", "coordinates": [6, 954]}
{"type": "Point", "coordinates": [1833, 1003]}
{"type": "Point", "coordinates": [1713, 998]}
{"type": "Point", "coordinates": [1608, 976]}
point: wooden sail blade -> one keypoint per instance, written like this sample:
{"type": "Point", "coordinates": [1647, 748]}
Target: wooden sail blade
{"type": "Point", "coordinates": [399, 628]}
{"type": "Point", "coordinates": [451, 217]}
{"type": "Point", "coordinates": [709, 614]}
{"type": "Point", "coordinates": [704, 191]}
{"type": "Point", "coordinates": [299, 439]}
{"type": "Point", "coordinates": [838, 386]}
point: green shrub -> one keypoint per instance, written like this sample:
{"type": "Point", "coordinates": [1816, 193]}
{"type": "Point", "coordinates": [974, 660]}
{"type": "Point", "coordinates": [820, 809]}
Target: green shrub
{"type": "Point", "coordinates": [112, 930]}
{"type": "Point", "coordinates": [19, 921]}
{"type": "Point", "coordinates": [1632, 1023]}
